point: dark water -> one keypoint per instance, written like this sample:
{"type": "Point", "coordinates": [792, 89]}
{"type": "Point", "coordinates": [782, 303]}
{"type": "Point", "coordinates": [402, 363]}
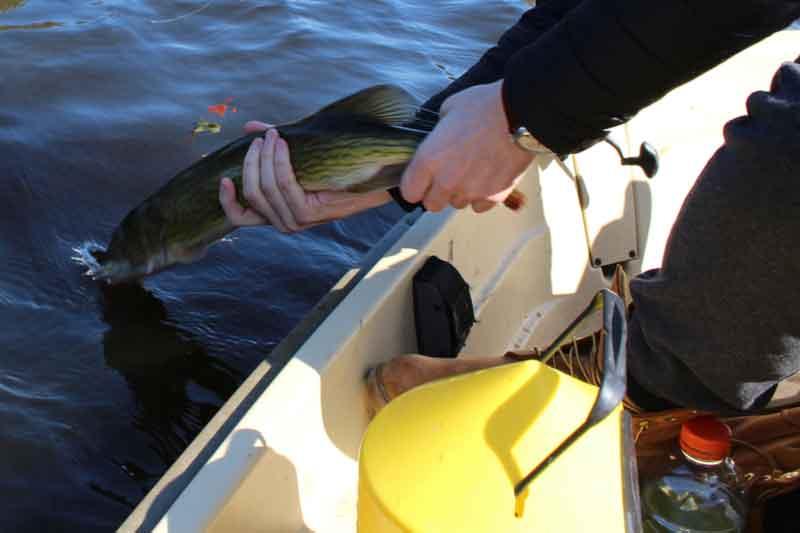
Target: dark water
{"type": "Point", "coordinates": [101, 389]}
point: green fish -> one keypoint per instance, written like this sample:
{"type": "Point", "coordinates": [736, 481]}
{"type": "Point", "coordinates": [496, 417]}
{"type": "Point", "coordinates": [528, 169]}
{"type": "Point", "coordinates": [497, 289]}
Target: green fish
{"type": "Point", "coordinates": [356, 144]}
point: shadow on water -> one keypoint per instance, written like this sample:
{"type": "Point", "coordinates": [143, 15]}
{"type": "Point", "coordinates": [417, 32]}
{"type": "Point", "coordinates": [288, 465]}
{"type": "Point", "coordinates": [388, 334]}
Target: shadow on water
{"type": "Point", "coordinates": [177, 385]}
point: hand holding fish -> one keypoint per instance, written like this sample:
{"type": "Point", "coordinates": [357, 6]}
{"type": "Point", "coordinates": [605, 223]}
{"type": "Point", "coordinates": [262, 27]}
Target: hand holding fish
{"type": "Point", "coordinates": [274, 196]}
{"type": "Point", "coordinates": [468, 157]}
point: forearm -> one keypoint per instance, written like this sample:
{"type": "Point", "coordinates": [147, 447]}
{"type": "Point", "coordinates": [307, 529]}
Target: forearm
{"type": "Point", "coordinates": [607, 59]}
{"type": "Point", "coordinates": [333, 205]}
{"type": "Point", "coordinates": [363, 202]}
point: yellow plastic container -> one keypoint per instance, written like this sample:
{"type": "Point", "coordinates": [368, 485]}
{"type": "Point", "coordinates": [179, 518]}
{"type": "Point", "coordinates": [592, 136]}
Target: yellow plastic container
{"type": "Point", "coordinates": [445, 457]}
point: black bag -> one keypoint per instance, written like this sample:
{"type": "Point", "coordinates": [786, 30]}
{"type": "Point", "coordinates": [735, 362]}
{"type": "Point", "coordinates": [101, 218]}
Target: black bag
{"type": "Point", "coordinates": [443, 312]}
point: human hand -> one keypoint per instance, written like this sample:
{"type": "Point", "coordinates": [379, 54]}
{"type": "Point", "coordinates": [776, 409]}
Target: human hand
{"type": "Point", "coordinates": [275, 197]}
{"type": "Point", "coordinates": [468, 158]}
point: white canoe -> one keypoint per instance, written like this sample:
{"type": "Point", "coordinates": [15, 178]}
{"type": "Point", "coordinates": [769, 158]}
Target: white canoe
{"type": "Point", "coordinates": [281, 454]}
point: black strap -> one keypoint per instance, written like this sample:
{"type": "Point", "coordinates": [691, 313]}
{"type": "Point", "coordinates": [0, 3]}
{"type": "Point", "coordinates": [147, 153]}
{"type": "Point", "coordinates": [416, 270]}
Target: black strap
{"type": "Point", "coordinates": [407, 206]}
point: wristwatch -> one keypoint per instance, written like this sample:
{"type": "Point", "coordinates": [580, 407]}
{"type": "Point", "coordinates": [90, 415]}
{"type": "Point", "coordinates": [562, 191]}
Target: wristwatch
{"type": "Point", "coordinates": [523, 138]}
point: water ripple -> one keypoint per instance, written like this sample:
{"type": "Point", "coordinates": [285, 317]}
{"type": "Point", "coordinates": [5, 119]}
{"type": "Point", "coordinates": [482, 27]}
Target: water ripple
{"type": "Point", "coordinates": [18, 388]}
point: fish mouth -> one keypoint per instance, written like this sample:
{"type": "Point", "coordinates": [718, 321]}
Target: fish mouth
{"type": "Point", "coordinates": [114, 271]}
{"type": "Point", "coordinates": [100, 265]}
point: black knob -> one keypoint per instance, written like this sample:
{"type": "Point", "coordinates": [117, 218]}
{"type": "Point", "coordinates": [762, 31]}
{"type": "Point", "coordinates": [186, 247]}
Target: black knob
{"type": "Point", "coordinates": [647, 159]}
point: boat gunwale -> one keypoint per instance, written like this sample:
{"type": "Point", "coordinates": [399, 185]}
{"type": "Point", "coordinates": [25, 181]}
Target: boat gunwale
{"type": "Point", "coordinates": [160, 498]}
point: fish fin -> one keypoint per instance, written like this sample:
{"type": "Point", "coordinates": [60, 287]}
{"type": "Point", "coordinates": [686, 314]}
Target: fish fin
{"type": "Point", "coordinates": [388, 104]}
{"type": "Point", "coordinates": [386, 178]}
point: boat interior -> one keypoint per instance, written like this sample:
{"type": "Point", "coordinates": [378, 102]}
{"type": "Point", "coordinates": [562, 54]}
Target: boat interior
{"type": "Point", "coordinates": [283, 453]}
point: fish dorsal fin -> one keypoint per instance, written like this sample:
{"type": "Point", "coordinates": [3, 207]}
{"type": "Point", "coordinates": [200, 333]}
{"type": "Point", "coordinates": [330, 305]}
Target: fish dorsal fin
{"type": "Point", "coordinates": [388, 104]}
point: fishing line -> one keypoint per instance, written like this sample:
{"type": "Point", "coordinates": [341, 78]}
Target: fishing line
{"type": "Point", "coordinates": [412, 130]}
{"type": "Point", "coordinates": [420, 121]}
{"type": "Point", "coordinates": [416, 123]}
{"type": "Point", "coordinates": [419, 108]}
{"type": "Point", "coordinates": [189, 14]}
{"type": "Point", "coordinates": [428, 110]}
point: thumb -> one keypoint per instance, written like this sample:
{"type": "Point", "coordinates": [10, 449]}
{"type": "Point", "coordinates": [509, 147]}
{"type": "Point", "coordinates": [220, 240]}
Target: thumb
{"type": "Point", "coordinates": [416, 181]}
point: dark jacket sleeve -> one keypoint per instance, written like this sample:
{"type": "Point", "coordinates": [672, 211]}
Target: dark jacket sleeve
{"type": "Point", "coordinates": [607, 59]}
{"type": "Point", "coordinates": [492, 66]}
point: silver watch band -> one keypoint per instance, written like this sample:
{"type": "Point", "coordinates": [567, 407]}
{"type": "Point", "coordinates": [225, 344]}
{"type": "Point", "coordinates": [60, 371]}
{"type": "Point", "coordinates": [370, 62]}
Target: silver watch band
{"type": "Point", "coordinates": [523, 138]}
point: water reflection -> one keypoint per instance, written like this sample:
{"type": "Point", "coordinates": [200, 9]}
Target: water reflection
{"type": "Point", "coordinates": [177, 385]}
{"type": "Point", "coordinates": [31, 26]}
{"type": "Point", "coordinates": [8, 5]}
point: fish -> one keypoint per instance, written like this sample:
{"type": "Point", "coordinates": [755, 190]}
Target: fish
{"type": "Point", "coordinates": [360, 143]}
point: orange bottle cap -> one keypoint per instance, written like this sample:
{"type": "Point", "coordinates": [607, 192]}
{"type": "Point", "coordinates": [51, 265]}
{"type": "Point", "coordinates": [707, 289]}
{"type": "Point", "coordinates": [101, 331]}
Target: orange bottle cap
{"type": "Point", "coordinates": [706, 439]}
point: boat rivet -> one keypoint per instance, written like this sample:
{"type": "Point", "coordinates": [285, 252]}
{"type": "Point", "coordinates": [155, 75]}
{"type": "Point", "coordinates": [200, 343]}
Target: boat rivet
{"type": "Point", "coordinates": [632, 254]}
{"type": "Point", "coordinates": [598, 261]}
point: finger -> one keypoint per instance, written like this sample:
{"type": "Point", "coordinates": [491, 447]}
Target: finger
{"type": "Point", "coordinates": [254, 126]}
{"type": "Point", "coordinates": [269, 184]}
{"type": "Point", "coordinates": [436, 198]}
{"type": "Point", "coordinates": [237, 215]}
{"type": "Point", "coordinates": [458, 201]}
{"type": "Point", "coordinates": [416, 180]}
{"type": "Point", "coordinates": [287, 183]}
{"type": "Point", "coordinates": [481, 206]}
{"type": "Point", "coordinates": [251, 183]}
{"type": "Point", "coordinates": [447, 104]}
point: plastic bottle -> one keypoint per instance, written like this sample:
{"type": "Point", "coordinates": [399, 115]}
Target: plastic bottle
{"type": "Point", "coordinates": [702, 493]}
